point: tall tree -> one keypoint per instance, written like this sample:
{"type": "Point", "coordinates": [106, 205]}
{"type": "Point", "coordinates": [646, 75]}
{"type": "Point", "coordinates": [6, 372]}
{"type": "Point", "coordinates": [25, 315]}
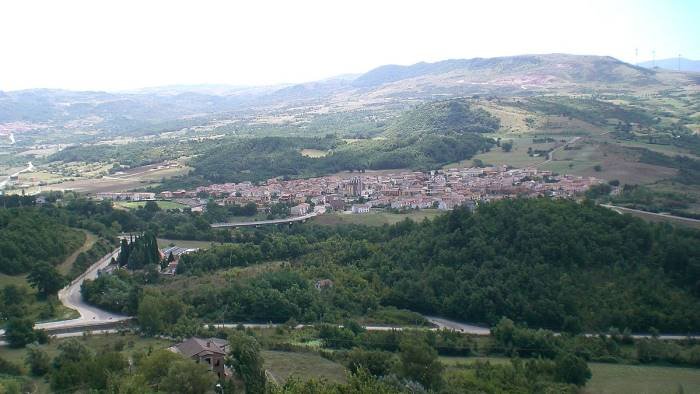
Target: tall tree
{"type": "Point", "coordinates": [248, 362]}
{"type": "Point", "coordinates": [19, 332]}
{"type": "Point", "coordinates": [46, 279]}
{"type": "Point", "coordinates": [419, 362]}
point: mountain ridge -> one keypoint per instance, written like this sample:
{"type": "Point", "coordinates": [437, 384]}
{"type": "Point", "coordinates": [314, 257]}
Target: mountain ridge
{"type": "Point", "coordinates": [672, 64]}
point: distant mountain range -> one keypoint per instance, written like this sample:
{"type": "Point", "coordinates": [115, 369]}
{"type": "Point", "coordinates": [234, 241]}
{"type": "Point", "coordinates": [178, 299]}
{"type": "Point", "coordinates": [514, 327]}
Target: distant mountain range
{"type": "Point", "coordinates": [157, 109]}
{"type": "Point", "coordinates": [546, 68]}
{"type": "Point", "coordinates": [687, 65]}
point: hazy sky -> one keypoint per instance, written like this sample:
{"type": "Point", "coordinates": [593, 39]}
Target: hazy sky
{"type": "Point", "coordinates": [124, 44]}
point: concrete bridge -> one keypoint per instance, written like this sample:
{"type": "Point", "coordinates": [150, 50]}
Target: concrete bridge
{"type": "Point", "coordinates": [302, 218]}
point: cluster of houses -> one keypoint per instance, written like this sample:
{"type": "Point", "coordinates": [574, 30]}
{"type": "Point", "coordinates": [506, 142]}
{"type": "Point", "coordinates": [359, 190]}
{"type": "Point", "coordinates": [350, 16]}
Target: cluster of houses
{"type": "Point", "coordinates": [443, 189]}
{"type": "Point", "coordinates": [126, 196]}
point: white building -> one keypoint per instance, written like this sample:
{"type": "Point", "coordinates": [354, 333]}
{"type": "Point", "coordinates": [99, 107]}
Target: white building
{"type": "Point", "coordinates": [300, 210]}
{"type": "Point", "coordinates": [143, 196]}
{"type": "Point", "coordinates": [364, 208]}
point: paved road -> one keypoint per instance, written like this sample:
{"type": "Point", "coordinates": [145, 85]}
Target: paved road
{"type": "Point", "coordinates": [550, 155]}
{"type": "Point", "coordinates": [663, 215]}
{"type": "Point", "coordinates": [457, 326]}
{"type": "Point", "coordinates": [439, 323]}
{"type": "Point", "coordinates": [29, 167]}
{"type": "Point", "coordinates": [265, 222]}
{"type": "Point", "coordinates": [89, 315]}
{"type": "Point", "coordinates": [70, 297]}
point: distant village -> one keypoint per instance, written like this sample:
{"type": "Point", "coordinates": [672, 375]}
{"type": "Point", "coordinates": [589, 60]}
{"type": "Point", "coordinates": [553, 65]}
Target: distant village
{"type": "Point", "coordinates": [441, 189]}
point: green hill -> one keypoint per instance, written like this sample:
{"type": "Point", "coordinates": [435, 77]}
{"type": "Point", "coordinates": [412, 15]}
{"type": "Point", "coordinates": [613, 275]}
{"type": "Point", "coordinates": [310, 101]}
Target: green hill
{"type": "Point", "coordinates": [426, 137]}
{"type": "Point", "coordinates": [448, 117]}
{"type": "Point", "coordinates": [28, 236]}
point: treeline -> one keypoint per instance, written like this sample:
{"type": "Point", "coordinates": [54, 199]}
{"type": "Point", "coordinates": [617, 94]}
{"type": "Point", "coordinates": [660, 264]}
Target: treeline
{"type": "Point", "coordinates": [612, 346]}
{"type": "Point", "coordinates": [589, 109]}
{"type": "Point", "coordinates": [688, 168]}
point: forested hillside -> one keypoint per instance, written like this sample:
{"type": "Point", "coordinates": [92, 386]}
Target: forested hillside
{"type": "Point", "coordinates": [426, 137]}
{"type": "Point", "coordinates": [448, 117]}
{"type": "Point", "coordinates": [29, 236]}
{"type": "Point", "coordinates": [555, 264]}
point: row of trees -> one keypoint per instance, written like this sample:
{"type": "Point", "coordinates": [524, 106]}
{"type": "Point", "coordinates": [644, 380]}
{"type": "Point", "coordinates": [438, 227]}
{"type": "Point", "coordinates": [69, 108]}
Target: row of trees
{"type": "Point", "coordinates": [139, 252]}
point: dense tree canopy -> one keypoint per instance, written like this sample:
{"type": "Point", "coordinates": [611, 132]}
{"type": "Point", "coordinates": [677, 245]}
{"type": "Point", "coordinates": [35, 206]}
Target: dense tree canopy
{"type": "Point", "coordinates": [556, 264]}
{"type": "Point", "coordinates": [30, 235]}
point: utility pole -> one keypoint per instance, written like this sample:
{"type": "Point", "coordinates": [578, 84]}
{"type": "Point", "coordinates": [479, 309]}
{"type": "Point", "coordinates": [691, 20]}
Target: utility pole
{"type": "Point", "coordinates": [653, 58]}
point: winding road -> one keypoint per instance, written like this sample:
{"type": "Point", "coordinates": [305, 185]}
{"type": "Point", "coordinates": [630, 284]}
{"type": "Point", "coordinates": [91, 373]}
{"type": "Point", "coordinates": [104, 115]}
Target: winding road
{"type": "Point", "coordinates": [70, 297]}
{"type": "Point", "coordinates": [29, 167]}
{"type": "Point", "coordinates": [90, 317]}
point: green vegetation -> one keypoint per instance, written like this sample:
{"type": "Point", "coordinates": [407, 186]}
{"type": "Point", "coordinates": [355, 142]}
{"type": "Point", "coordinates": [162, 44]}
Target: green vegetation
{"type": "Point", "coordinates": [375, 218]}
{"type": "Point", "coordinates": [304, 366]}
{"type": "Point", "coordinates": [140, 204]}
{"type": "Point", "coordinates": [140, 252]}
{"type": "Point", "coordinates": [591, 110]}
{"type": "Point", "coordinates": [449, 117]}
{"type": "Point", "coordinates": [429, 136]}
{"type": "Point", "coordinates": [29, 235]}
{"type": "Point", "coordinates": [511, 258]}
{"type": "Point", "coordinates": [634, 379]}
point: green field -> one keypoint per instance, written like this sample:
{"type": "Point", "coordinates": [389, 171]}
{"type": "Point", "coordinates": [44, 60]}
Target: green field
{"type": "Point", "coordinates": [375, 218]}
{"type": "Point", "coordinates": [618, 378]}
{"type": "Point", "coordinates": [633, 379]}
{"type": "Point", "coordinates": [517, 157]}
{"type": "Point", "coordinates": [165, 243]}
{"type": "Point", "coordinates": [313, 153]}
{"type": "Point", "coordinates": [305, 366]}
{"type": "Point", "coordinates": [162, 204]}
{"type": "Point", "coordinates": [131, 342]}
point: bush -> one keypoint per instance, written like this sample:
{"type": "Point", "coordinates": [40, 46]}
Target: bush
{"type": "Point", "coordinates": [9, 368]}
{"type": "Point", "coordinates": [571, 369]}
{"type": "Point", "coordinates": [377, 363]}
{"type": "Point", "coordinates": [38, 360]}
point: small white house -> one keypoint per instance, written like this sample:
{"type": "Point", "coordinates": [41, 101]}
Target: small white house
{"type": "Point", "coordinates": [364, 208]}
